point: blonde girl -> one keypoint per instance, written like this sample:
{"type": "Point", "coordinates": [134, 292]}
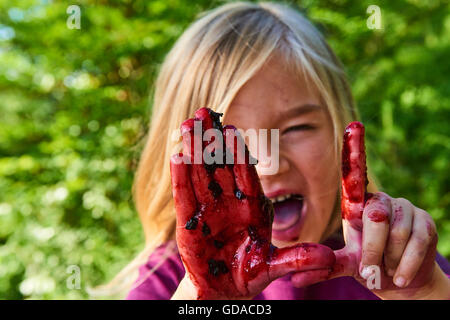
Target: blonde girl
{"type": "Point", "coordinates": [266, 66]}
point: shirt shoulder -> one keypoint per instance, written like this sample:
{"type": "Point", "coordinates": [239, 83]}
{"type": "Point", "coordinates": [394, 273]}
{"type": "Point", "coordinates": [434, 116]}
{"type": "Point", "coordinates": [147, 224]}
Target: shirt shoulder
{"type": "Point", "coordinates": [443, 263]}
{"type": "Point", "coordinates": [159, 277]}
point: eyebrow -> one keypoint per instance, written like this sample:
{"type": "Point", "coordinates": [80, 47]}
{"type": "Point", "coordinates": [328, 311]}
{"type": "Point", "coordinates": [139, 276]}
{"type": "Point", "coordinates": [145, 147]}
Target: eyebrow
{"type": "Point", "coordinates": [300, 110]}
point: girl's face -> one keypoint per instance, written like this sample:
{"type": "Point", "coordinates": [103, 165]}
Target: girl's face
{"type": "Point", "coordinates": [308, 167]}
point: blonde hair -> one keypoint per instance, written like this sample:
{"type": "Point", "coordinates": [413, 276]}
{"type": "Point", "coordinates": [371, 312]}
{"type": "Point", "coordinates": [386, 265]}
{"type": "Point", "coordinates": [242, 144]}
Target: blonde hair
{"type": "Point", "coordinates": [206, 67]}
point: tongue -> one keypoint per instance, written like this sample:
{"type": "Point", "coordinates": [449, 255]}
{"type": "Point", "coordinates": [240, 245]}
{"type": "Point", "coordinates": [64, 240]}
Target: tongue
{"type": "Point", "coordinates": [287, 213]}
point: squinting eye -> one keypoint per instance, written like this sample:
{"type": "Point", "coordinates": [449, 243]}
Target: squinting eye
{"type": "Point", "coordinates": [300, 127]}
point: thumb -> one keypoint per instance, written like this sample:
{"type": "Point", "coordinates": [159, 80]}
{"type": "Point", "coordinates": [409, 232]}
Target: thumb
{"type": "Point", "coordinates": [345, 265]}
{"type": "Point", "coordinates": [347, 258]}
{"type": "Point", "coordinates": [300, 257]}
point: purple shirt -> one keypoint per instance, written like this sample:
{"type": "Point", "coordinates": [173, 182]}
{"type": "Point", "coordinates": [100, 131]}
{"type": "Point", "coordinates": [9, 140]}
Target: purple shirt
{"type": "Point", "coordinates": [162, 283]}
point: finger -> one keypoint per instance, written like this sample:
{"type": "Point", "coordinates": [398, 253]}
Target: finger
{"type": "Point", "coordinates": [192, 140]}
{"type": "Point", "coordinates": [201, 181]}
{"type": "Point", "coordinates": [193, 131]}
{"type": "Point", "coordinates": [206, 188]}
{"type": "Point", "coordinates": [401, 224]}
{"type": "Point", "coordinates": [375, 231]}
{"type": "Point", "coordinates": [183, 194]}
{"type": "Point", "coordinates": [188, 232]}
{"type": "Point", "coordinates": [346, 263]}
{"type": "Point", "coordinates": [214, 158]}
{"type": "Point", "coordinates": [353, 187]}
{"type": "Point", "coordinates": [354, 175]}
{"type": "Point", "coordinates": [300, 257]}
{"type": "Point", "coordinates": [220, 180]}
{"type": "Point", "coordinates": [212, 132]}
{"type": "Point", "coordinates": [247, 180]}
{"type": "Point", "coordinates": [225, 178]}
{"type": "Point", "coordinates": [423, 233]}
{"type": "Point", "coordinates": [206, 116]}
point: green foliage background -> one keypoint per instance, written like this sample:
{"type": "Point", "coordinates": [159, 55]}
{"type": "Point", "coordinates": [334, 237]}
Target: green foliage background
{"type": "Point", "coordinates": [74, 105]}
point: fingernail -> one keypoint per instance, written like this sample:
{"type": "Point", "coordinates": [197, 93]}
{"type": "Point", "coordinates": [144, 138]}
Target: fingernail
{"type": "Point", "coordinates": [400, 282]}
{"type": "Point", "coordinates": [366, 272]}
{"type": "Point", "coordinates": [390, 272]}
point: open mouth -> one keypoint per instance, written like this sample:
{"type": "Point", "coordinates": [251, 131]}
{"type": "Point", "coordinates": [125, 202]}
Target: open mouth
{"type": "Point", "coordinates": [288, 216]}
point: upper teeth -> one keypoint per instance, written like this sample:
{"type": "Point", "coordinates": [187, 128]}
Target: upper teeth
{"type": "Point", "coordinates": [285, 197]}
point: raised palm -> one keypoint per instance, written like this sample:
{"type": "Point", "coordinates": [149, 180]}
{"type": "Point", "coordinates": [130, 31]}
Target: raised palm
{"type": "Point", "coordinates": [224, 221]}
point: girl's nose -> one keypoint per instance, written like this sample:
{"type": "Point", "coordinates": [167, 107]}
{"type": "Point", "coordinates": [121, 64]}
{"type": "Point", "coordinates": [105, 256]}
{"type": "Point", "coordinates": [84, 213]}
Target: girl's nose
{"type": "Point", "coordinates": [272, 166]}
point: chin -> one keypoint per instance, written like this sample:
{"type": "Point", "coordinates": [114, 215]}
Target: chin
{"type": "Point", "coordinates": [315, 238]}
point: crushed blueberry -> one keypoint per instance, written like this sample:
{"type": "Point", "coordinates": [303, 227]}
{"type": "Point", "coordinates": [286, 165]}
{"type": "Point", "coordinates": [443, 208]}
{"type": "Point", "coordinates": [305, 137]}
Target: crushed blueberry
{"type": "Point", "coordinates": [192, 223]}
{"type": "Point", "coordinates": [252, 233]}
{"type": "Point", "coordinates": [218, 244]}
{"type": "Point", "coordinates": [215, 188]}
{"type": "Point", "coordinates": [222, 266]}
{"type": "Point", "coordinates": [205, 229]}
{"type": "Point", "coordinates": [215, 116]}
{"type": "Point", "coordinates": [213, 267]}
{"type": "Point", "coordinates": [216, 267]}
{"type": "Point", "coordinates": [210, 168]}
{"type": "Point", "coordinates": [239, 194]}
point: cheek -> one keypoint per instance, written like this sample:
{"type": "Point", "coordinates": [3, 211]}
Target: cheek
{"type": "Point", "coordinates": [318, 163]}
{"type": "Point", "coordinates": [320, 168]}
